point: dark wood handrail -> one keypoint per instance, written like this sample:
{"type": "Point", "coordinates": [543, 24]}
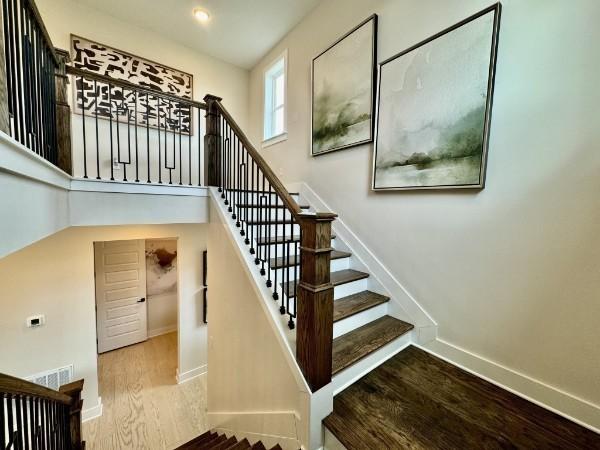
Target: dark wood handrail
{"type": "Point", "coordinates": [17, 386]}
{"type": "Point", "coordinates": [38, 18]}
{"type": "Point", "coordinates": [133, 87]}
{"type": "Point", "coordinates": [278, 186]}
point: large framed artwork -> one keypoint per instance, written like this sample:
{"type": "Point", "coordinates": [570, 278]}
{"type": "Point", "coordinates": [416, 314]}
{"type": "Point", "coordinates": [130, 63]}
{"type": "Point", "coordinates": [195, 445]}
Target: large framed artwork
{"type": "Point", "coordinates": [434, 105]}
{"type": "Point", "coordinates": [343, 80]}
{"type": "Point", "coordinates": [120, 103]}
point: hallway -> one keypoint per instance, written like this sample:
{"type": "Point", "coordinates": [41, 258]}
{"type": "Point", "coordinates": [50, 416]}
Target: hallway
{"type": "Point", "coordinates": [143, 407]}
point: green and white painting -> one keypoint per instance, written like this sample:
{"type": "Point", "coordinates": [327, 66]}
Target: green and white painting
{"type": "Point", "coordinates": [434, 104]}
{"type": "Point", "coordinates": [343, 81]}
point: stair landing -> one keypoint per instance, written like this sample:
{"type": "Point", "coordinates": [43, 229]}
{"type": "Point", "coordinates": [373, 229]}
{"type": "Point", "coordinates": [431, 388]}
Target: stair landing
{"type": "Point", "coordinates": [415, 400]}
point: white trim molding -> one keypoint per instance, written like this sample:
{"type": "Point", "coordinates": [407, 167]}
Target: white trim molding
{"type": "Point", "coordinates": [92, 413]}
{"type": "Point", "coordinates": [184, 377]}
{"type": "Point", "coordinates": [162, 330]}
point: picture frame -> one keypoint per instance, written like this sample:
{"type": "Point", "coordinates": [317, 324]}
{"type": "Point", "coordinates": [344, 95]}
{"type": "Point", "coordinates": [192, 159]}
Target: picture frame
{"type": "Point", "coordinates": [442, 154]}
{"type": "Point", "coordinates": [337, 113]}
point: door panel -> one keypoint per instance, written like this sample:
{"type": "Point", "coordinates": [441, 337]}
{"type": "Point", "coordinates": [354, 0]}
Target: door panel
{"type": "Point", "coordinates": [121, 315]}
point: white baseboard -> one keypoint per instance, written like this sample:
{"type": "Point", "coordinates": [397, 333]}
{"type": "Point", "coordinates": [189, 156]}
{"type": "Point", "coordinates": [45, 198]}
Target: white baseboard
{"type": "Point", "coordinates": [270, 427]}
{"type": "Point", "coordinates": [92, 413]}
{"type": "Point", "coordinates": [549, 397]}
{"type": "Point", "coordinates": [190, 374]}
{"type": "Point", "coordinates": [161, 331]}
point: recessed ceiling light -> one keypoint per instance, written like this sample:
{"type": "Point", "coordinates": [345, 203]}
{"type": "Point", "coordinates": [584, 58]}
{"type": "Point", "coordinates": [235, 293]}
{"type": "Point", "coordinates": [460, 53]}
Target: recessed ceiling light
{"type": "Point", "coordinates": [201, 14]}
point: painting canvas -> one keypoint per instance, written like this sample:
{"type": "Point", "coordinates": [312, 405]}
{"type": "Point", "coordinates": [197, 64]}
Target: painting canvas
{"type": "Point", "coordinates": [343, 90]}
{"type": "Point", "coordinates": [434, 104]}
{"type": "Point", "coordinates": [121, 103]}
{"type": "Point", "coordinates": [161, 266]}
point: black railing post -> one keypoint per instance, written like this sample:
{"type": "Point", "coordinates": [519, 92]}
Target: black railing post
{"type": "Point", "coordinates": [63, 113]}
{"type": "Point", "coordinates": [4, 111]}
{"type": "Point", "coordinates": [212, 150]}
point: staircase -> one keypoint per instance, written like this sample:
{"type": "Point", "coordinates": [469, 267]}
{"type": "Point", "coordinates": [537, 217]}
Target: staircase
{"type": "Point", "coordinates": [216, 441]}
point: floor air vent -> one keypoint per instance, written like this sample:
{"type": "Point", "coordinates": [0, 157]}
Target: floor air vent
{"type": "Point", "coordinates": [54, 378]}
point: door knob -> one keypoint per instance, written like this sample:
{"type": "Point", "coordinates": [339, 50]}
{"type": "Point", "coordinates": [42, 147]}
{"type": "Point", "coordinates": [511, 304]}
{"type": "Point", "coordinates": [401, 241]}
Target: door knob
{"type": "Point", "coordinates": [141, 300]}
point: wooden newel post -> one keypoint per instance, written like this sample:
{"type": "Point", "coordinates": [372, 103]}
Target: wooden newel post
{"type": "Point", "coordinates": [63, 113]}
{"type": "Point", "coordinates": [314, 338]}
{"type": "Point", "coordinates": [212, 142]}
{"type": "Point", "coordinates": [73, 390]}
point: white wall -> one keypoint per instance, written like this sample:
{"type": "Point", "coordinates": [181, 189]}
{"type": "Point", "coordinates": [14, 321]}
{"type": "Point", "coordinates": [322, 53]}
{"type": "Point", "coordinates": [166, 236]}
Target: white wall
{"type": "Point", "coordinates": [55, 277]}
{"type": "Point", "coordinates": [251, 388]}
{"type": "Point", "coordinates": [509, 273]}
{"type": "Point", "coordinates": [66, 17]}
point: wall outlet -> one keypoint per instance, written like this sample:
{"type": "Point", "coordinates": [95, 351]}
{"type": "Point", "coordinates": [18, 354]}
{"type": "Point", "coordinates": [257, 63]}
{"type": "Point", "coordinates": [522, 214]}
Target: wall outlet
{"type": "Point", "coordinates": [36, 321]}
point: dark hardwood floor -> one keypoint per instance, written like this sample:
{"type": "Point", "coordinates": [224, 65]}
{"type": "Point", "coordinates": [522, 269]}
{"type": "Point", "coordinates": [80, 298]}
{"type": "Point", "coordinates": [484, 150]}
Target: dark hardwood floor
{"type": "Point", "coordinates": [417, 401]}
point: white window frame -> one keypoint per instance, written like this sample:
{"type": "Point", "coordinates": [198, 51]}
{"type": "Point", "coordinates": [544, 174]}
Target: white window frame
{"type": "Point", "coordinates": [269, 109]}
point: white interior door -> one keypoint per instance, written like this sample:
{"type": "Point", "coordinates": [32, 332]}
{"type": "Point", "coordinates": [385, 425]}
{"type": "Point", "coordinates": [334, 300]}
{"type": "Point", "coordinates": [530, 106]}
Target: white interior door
{"type": "Point", "coordinates": [121, 313]}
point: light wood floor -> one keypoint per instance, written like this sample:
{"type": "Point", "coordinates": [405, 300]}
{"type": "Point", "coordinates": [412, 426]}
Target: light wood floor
{"type": "Point", "coordinates": [143, 407]}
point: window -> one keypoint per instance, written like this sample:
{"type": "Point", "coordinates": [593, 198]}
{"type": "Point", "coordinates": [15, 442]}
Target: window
{"type": "Point", "coordinates": [275, 87]}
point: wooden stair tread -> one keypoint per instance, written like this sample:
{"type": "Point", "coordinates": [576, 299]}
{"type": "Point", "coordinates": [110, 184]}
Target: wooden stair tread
{"type": "Point", "coordinates": [337, 278]}
{"type": "Point", "coordinates": [225, 445]}
{"type": "Point", "coordinates": [355, 345]}
{"type": "Point", "coordinates": [259, 446]}
{"type": "Point", "coordinates": [277, 447]}
{"type": "Point", "coordinates": [416, 400]}
{"type": "Point", "coordinates": [281, 239]}
{"type": "Point", "coordinates": [204, 437]}
{"type": "Point", "coordinates": [293, 260]}
{"type": "Point", "coordinates": [254, 205]}
{"type": "Point", "coordinates": [208, 445]}
{"type": "Point", "coordinates": [356, 303]}
{"type": "Point", "coordinates": [255, 191]}
{"type": "Point", "coordinates": [242, 445]}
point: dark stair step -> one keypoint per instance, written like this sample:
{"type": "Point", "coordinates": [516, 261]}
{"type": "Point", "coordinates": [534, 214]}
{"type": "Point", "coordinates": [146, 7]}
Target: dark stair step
{"type": "Point", "coordinates": [229, 443]}
{"type": "Point", "coordinates": [209, 445]}
{"type": "Point", "coordinates": [337, 278]}
{"type": "Point", "coordinates": [254, 205]}
{"type": "Point", "coordinates": [281, 239]}
{"type": "Point", "coordinates": [242, 445]}
{"type": "Point", "coordinates": [204, 437]}
{"type": "Point", "coordinates": [294, 260]}
{"type": "Point", "coordinates": [356, 303]}
{"type": "Point", "coordinates": [277, 447]}
{"type": "Point", "coordinates": [259, 446]}
{"type": "Point", "coordinates": [355, 345]}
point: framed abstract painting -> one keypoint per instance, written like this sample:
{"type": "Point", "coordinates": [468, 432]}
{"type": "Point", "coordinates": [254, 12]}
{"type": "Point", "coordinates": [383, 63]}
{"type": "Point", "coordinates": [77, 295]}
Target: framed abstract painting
{"type": "Point", "coordinates": [343, 80]}
{"type": "Point", "coordinates": [434, 105]}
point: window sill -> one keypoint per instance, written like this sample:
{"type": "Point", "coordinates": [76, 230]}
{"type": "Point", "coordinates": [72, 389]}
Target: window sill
{"type": "Point", "coordinates": [275, 140]}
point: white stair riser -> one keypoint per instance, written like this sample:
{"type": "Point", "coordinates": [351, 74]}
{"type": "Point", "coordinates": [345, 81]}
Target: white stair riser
{"type": "Point", "coordinates": [358, 320]}
{"type": "Point", "coordinates": [274, 230]}
{"type": "Point", "coordinates": [251, 214]}
{"type": "Point", "coordinates": [252, 197]}
{"type": "Point", "coordinates": [354, 287]}
{"type": "Point", "coordinates": [280, 247]}
{"type": "Point", "coordinates": [336, 264]}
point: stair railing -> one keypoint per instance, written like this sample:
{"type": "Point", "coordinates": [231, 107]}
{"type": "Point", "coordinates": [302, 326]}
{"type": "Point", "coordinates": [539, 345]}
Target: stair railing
{"type": "Point", "coordinates": [279, 235]}
{"type": "Point", "coordinates": [34, 417]}
{"type": "Point", "coordinates": [130, 133]}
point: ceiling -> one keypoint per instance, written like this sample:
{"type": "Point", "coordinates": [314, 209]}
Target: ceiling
{"type": "Point", "coordinates": [239, 31]}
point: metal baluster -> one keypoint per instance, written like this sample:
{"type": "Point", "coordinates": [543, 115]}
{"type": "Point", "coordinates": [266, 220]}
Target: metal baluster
{"type": "Point", "coordinates": [112, 158]}
{"type": "Point", "coordinates": [199, 148]}
{"type": "Point", "coordinates": [98, 96]}
{"type": "Point", "coordinates": [266, 225]}
{"type": "Point", "coordinates": [253, 209]}
{"type": "Point", "coordinates": [169, 124]}
{"type": "Point", "coordinates": [229, 194]}
{"type": "Point", "coordinates": [285, 274]}
{"type": "Point", "coordinates": [118, 125]}
{"type": "Point", "coordinates": [223, 138]}
{"type": "Point", "coordinates": [137, 167]}
{"type": "Point", "coordinates": [296, 281]}
{"type": "Point", "coordinates": [268, 247]}
{"type": "Point", "coordinates": [26, 427]}
{"type": "Point", "coordinates": [11, 424]}
{"type": "Point", "coordinates": [235, 178]}
{"type": "Point", "coordinates": [19, 423]}
{"type": "Point", "coordinates": [247, 194]}
{"type": "Point", "coordinates": [287, 262]}
{"type": "Point", "coordinates": [2, 408]}
{"type": "Point", "coordinates": [8, 53]}
{"type": "Point", "coordinates": [128, 113]}
{"type": "Point", "coordinates": [180, 167]}
{"type": "Point", "coordinates": [148, 136]}
{"type": "Point", "coordinates": [159, 145]}
{"type": "Point", "coordinates": [190, 145]}
{"type": "Point", "coordinates": [23, 135]}
{"type": "Point", "coordinates": [83, 127]}
{"type": "Point", "coordinates": [276, 240]}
